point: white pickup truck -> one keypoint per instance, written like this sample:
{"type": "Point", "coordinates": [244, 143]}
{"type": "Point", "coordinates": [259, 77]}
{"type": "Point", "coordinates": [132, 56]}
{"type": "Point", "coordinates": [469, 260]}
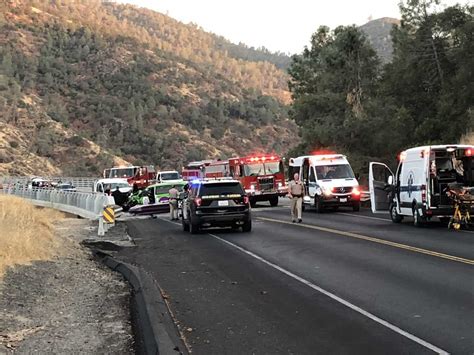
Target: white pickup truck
{"type": "Point", "coordinates": [105, 185]}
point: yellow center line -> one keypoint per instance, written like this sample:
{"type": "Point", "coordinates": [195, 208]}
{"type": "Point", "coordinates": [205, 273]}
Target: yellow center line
{"type": "Point", "coordinates": [375, 240]}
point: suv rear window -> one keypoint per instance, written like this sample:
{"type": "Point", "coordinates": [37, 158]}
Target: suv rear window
{"type": "Point", "coordinates": [230, 188]}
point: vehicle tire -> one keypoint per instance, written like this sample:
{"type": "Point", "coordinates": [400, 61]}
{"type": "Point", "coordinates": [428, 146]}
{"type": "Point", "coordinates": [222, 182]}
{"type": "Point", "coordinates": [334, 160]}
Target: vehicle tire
{"type": "Point", "coordinates": [318, 206]}
{"type": "Point", "coordinates": [356, 206]}
{"type": "Point", "coordinates": [185, 225]}
{"type": "Point", "coordinates": [193, 227]}
{"type": "Point", "coordinates": [247, 227]}
{"type": "Point", "coordinates": [274, 201]}
{"type": "Point", "coordinates": [396, 218]}
{"type": "Point", "coordinates": [445, 220]}
{"type": "Point", "coordinates": [418, 221]}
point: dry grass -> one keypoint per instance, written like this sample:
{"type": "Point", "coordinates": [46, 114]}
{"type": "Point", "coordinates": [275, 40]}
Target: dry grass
{"type": "Point", "coordinates": [27, 233]}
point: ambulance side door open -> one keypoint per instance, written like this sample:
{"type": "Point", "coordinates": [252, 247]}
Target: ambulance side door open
{"type": "Point", "coordinates": [305, 176]}
{"type": "Point", "coordinates": [312, 184]}
{"type": "Point", "coordinates": [381, 180]}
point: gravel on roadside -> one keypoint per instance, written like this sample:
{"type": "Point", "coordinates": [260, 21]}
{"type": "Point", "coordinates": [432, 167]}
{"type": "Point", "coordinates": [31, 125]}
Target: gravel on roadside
{"type": "Point", "coordinates": [71, 304]}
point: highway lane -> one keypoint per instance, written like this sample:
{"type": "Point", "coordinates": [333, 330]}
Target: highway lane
{"type": "Point", "coordinates": [218, 286]}
{"type": "Point", "coordinates": [434, 236]}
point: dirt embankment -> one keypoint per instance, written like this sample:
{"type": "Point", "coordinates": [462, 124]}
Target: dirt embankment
{"type": "Point", "coordinates": [54, 299]}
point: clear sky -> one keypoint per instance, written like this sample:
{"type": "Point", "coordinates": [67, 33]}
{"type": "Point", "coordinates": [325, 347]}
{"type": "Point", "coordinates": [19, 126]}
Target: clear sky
{"type": "Point", "coordinates": [279, 25]}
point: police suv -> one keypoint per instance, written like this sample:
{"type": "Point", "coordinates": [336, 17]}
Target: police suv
{"type": "Point", "coordinates": [218, 202]}
{"type": "Point", "coordinates": [419, 187]}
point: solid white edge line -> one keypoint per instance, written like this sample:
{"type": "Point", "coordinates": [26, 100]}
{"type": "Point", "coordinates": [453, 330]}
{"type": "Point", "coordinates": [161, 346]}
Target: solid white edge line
{"type": "Point", "coordinates": [337, 298]}
{"type": "Point", "coordinates": [365, 313]}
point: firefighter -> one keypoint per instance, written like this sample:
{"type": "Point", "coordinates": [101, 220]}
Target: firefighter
{"type": "Point", "coordinates": [295, 193]}
{"type": "Point", "coordinates": [173, 200]}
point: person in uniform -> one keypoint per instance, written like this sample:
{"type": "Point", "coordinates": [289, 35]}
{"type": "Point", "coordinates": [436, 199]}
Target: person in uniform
{"type": "Point", "coordinates": [173, 193]}
{"type": "Point", "coordinates": [295, 193]}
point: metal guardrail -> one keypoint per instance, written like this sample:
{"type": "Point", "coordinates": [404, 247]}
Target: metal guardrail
{"type": "Point", "coordinates": [86, 205]}
{"type": "Point", "coordinates": [83, 183]}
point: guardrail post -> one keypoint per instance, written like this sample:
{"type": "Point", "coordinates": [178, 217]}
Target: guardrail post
{"type": "Point", "coordinates": [101, 230]}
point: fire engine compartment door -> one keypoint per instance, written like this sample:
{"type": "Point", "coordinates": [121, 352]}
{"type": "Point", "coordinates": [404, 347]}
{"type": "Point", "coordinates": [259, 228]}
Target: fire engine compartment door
{"type": "Point", "coordinates": [381, 180]}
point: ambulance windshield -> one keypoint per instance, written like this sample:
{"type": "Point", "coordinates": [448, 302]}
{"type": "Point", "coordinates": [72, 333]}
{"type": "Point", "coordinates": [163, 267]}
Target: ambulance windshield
{"type": "Point", "coordinates": [329, 172]}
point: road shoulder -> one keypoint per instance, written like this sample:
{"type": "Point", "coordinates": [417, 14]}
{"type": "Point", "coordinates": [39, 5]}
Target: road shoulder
{"type": "Point", "coordinates": [71, 304]}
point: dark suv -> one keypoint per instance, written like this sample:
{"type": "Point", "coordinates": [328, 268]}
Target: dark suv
{"type": "Point", "coordinates": [216, 203]}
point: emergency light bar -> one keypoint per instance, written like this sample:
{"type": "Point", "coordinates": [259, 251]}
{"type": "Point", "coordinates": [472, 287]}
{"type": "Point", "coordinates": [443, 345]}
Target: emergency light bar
{"type": "Point", "coordinates": [402, 156]}
{"type": "Point", "coordinates": [262, 158]}
{"type": "Point", "coordinates": [465, 152]}
{"type": "Point", "coordinates": [327, 157]}
{"type": "Point", "coordinates": [218, 178]}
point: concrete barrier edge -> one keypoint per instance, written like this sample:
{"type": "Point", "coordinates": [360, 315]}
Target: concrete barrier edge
{"type": "Point", "coordinates": [158, 332]}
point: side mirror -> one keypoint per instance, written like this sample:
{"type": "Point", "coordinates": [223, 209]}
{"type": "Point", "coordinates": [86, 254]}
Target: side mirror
{"type": "Point", "coordinates": [390, 180]}
{"type": "Point", "coordinates": [357, 176]}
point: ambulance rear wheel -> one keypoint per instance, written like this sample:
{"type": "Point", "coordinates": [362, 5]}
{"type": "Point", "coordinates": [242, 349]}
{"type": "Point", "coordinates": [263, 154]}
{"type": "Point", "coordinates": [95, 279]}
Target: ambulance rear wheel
{"type": "Point", "coordinates": [274, 201]}
{"type": "Point", "coordinates": [418, 220]}
{"type": "Point", "coordinates": [396, 218]}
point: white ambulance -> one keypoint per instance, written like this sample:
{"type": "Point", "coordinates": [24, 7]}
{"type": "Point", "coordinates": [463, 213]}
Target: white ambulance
{"type": "Point", "coordinates": [418, 188]}
{"type": "Point", "coordinates": [328, 179]}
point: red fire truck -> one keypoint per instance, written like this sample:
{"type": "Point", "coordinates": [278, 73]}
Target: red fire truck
{"type": "Point", "coordinates": [142, 176]}
{"type": "Point", "coordinates": [262, 176]}
{"type": "Point", "coordinates": [217, 169]}
{"type": "Point", "coordinates": [195, 170]}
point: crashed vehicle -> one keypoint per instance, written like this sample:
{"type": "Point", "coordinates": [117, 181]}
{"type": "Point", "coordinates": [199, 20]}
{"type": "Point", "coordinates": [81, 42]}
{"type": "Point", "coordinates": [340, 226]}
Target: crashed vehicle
{"type": "Point", "coordinates": [152, 200]}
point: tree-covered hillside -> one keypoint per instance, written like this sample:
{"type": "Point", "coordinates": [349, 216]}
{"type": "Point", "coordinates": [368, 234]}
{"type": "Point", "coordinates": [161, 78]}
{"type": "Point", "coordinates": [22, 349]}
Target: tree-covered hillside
{"type": "Point", "coordinates": [345, 98]}
{"type": "Point", "coordinates": [85, 82]}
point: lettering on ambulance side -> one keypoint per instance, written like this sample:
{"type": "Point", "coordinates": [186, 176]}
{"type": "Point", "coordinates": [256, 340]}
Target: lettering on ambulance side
{"type": "Point", "coordinates": [411, 179]}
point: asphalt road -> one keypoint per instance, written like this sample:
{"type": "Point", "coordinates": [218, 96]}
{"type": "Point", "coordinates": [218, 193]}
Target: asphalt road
{"type": "Point", "coordinates": [337, 283]}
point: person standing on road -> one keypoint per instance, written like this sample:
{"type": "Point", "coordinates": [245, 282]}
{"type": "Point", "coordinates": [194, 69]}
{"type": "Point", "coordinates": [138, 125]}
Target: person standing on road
{"type": "Point", "coordinates": [173, 193]}
{"type": "Point", "coordinates": [295, 193]}
{"type": "Point", "coordinates": [118, 197]}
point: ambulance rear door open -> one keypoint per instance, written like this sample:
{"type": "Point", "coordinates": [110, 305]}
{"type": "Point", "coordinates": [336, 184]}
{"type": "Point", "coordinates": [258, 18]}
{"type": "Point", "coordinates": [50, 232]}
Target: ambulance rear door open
{"type": "Point", "coordinates": [381, 186]}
